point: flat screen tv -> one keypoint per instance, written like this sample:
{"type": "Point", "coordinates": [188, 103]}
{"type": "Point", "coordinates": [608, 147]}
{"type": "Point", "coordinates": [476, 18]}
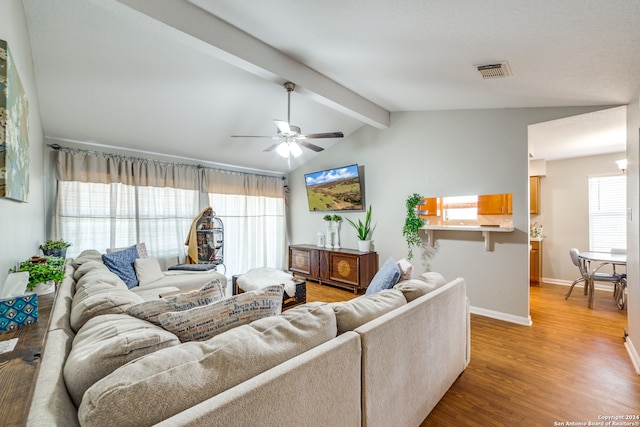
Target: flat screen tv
{"type": "Point", "coordinates": [337, 189]}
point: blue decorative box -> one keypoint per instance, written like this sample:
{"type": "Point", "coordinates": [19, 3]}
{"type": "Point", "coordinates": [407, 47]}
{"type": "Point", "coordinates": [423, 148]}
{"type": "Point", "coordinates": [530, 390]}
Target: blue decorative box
{"type": "Point", "coordinates": [18, 311]}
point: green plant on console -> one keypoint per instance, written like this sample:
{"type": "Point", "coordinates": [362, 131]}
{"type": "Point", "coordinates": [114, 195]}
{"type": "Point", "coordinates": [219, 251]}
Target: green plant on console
{"type": "Point", "coordinates": [363, 228]}
{"type": "Point", "coordinates": [52, 269]}
{"type": "Point", "coordinates": [412, 224]}
{"type": "Point", "coordinates": [327, 217]}
{"type": "Point", "coordinates": [336, 218]}
{"type": "Point", "coordinates": [54, 244]}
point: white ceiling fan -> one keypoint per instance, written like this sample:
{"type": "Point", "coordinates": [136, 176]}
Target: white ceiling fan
{"type": "Point", "coordinates": [289, 136]}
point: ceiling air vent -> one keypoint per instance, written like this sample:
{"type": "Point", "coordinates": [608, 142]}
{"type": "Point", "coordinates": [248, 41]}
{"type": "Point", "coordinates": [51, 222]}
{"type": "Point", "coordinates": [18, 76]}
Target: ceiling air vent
{"type": "Point", "coordinates": [494, 71]}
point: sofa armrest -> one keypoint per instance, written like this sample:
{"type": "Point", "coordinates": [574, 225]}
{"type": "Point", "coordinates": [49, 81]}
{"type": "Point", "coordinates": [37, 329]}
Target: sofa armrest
{"type": "Point", "coordinates": [416, 351]}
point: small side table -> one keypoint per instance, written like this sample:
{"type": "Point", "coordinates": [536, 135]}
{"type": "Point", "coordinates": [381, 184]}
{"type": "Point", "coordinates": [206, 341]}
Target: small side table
{"type": "Point", "coordinates": [287, 302]}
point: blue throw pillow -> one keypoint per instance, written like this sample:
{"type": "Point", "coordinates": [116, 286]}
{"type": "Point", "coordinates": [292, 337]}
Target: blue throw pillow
{"type": "Point", "coordinates": [121, 263]}
{"type": "Point", "coordinates": [385, 278]}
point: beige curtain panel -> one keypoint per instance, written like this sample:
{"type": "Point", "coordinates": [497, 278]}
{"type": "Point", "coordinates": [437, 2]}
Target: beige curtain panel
{"type": "Point", "coordinates": [84, 166]}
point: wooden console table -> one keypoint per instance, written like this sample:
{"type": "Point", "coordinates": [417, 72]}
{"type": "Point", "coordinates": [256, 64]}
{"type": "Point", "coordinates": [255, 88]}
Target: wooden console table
{"type": "Point", "coordinates": [19, 368]}
{"type": "Point", "coordinates": [346, 268]}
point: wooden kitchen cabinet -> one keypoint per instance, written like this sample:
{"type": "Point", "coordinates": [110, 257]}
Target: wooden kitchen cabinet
{"type": "Point", "coordinates": [535, 263]}
{"type": "Point", "coordinates": [495, 204]}
{"type": "Point", "coordinates": [429, 206]}
{"type": "Point", "coordinates": [346, 268]}
{"type": "Point", "coordinates": [534, 195]}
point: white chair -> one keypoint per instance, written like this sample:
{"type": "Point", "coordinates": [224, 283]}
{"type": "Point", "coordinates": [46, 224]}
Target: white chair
{"type": "Point", "coordinates": [615, 278]}
{"type": "Point", "coordinates": [575, 257]}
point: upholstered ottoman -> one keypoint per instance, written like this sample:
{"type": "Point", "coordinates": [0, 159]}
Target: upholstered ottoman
{"type": "Point", "coordinates": [262, 277]}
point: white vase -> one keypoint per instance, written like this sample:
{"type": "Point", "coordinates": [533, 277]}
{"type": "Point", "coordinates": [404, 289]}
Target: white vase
{"type": "Point", "coordinates": [45, 288]}
{"type": "Point", "coordinates": [364, 245]}
{"type": "Point", "coordinates": [336, 231]}
{"type": "Point", "coordinates": [328, 239]}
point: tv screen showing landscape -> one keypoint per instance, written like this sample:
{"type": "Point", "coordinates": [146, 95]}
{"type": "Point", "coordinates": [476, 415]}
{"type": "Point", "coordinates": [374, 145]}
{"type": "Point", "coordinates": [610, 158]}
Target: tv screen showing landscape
{"type": "Point", "coordinates": [335, 189]}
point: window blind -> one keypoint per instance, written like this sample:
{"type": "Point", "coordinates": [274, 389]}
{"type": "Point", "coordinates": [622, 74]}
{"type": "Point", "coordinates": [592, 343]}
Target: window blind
{"type": "Point", "coordinates": [607, 213]}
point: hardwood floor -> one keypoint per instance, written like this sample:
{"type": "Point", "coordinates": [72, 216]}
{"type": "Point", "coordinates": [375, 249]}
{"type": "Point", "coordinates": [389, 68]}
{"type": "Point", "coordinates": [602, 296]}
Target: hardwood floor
{"type": "Point", "coordinates": [570, 366]}
{"type": "Point", "coordinates": [326, 293]}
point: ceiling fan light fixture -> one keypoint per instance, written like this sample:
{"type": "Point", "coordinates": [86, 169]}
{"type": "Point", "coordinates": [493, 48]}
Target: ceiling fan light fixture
{"type": "Point", "coordinates": [295, 149]}
{"type": "Point", "coordinates": [283, 149]}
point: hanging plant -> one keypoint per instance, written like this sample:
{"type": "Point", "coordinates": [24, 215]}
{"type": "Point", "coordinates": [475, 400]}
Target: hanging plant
{"type": "Point", "coordinates": [412, 224]}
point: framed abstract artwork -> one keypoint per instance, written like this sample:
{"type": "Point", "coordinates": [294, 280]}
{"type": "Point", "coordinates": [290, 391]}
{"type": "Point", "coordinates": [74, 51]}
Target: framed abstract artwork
{"type": "Point", "coordinates": [14, 135]}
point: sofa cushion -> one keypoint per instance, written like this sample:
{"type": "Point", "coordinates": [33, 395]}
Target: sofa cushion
{"type": "Point", "coordinates": [147, 270]}
{"type": "Point", "coordinates": [150, 310]}
{"type": "Point", "coordinates": [385, 278]}
{"type": "Point", "coordinates": [86, 256]}
{"type": "Point", "coordinates": [107, 342]}
{"type": "Point", "coordinates": [434, 279]}
{"type": "Point", "coordinates": [99, 298]}
{"type": "Point", "coordinates": [358, 311]}
{"type": "Point", "coordinates": [204, 322]}
{"type": "Point", "coordinates": [100, 276]}
{"type": "Point", "coordinates": [422, 285]}
{"type": "Point", "coordinates": [87, 267]}
{"type": "Point", "coordinates": [141, 248]}
{"type": "Point", "coordinates": [174, 379]}
{"type": "Point", "coordinates": [121, 263]}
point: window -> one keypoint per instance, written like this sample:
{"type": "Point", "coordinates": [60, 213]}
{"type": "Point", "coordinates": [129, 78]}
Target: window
{"type": "Point", "coordinates": [100, 216]}
{"type": "Point", "coordinates": [106, 201]}
{"type": "Point", "coordinates": [607, 213]}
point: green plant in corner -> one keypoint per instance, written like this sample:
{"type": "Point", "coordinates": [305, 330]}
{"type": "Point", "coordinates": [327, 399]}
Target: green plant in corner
{"type": "Point", "coordinates": [52, 269]}
{"type": "Point", "coordinates": [54, 244]}
{"type": "Point", "coordinates": [412, 224]}
{"type": "Point", "coordinates": [363, 228]}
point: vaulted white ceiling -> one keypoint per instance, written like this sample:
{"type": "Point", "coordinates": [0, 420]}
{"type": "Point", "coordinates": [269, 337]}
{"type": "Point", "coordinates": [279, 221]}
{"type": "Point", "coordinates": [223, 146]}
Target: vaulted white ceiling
{"type": "Point", "coordinates": [179, 77]}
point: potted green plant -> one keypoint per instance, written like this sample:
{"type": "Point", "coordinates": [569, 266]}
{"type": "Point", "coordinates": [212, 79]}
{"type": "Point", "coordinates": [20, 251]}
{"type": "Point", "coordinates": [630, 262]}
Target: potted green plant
{"type": "Point", "coordinates": [57, 248]}
{"type": "Point", "coordinates": [44, 272]}
{"type": "Point", "coordinates": [363, 229]}
{"type": "Point", "coordinates": [412, 224]}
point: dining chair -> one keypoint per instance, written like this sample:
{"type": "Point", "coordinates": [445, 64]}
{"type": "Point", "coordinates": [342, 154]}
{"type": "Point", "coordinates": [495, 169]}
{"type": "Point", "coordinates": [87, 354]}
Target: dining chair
{"type": "Point", "coordinates": [575, 258]}
{"type": "Point", "coordinates": [620, 288]}
{"type": "Point", "coordinates": [615, 278]}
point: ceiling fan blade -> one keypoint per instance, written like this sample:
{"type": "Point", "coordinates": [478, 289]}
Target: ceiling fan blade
{"type": "Point", "coordinates": [325, 135]}
{"type": "Point", "coordinates": [271, 147]}
{"type": "Point", "coordinates": [251, 136]}
{"type": "Point", "coordinates": [283, 127]}
{"type": "Point", "coordinates": [310, 146]}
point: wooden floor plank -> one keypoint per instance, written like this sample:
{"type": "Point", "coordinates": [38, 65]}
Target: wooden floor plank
{"type": "Point", "coordinates": [570, 366]}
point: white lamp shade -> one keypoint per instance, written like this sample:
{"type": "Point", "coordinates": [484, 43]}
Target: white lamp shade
{"type": "Point", "coordinates": [283, 149]}
{"type": "Point", "coordinates": [295, 149]}
{"type": "Point", "coordinates": [622, 164]}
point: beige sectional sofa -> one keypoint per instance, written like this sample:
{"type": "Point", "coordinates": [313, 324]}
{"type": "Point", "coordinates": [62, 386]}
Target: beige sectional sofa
{"type": "Point", "coordinates": [378, 360]}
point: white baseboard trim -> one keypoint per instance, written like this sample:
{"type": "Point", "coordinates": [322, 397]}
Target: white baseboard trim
{"type": "Point", "coordinates": [599, 286]}
{"type": "Point", "coordinates": [525, 321]}
{"type": "Point", "coordinates": [633, 354]}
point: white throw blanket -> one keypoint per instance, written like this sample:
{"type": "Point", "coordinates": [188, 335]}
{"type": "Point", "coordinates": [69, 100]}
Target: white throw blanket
{"type": "Point", "coordinates": [258, 278]}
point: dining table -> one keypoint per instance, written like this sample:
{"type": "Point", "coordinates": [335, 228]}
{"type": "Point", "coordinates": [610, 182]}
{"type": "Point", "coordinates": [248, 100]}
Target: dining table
{"type": "Point", "coordinates": [593, 261]}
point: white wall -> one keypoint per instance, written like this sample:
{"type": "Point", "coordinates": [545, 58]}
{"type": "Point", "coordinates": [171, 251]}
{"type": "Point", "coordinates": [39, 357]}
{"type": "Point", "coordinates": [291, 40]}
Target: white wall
{"type": "Point", "coordinates": [633, 230]}
{"type": "Point", "coordinates": [22, 224]}
{"type": "Point", "coordinates": [442, 153]}
{"type": "Point", "coordinates": [564, 204]}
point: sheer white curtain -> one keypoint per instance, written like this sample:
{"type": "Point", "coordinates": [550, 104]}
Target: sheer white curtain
{"type": "Point", "coordinates": [105, 201]}
{"type": "Point", "coordinates": [253, 211]}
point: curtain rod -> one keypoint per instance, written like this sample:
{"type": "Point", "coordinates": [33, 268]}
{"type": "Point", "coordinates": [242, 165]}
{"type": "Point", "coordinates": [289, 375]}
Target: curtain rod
{"type": "Point", "coordinates": [58, 147]}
